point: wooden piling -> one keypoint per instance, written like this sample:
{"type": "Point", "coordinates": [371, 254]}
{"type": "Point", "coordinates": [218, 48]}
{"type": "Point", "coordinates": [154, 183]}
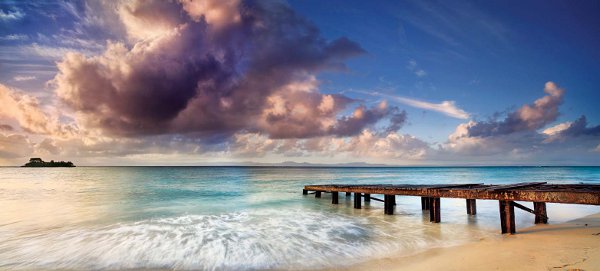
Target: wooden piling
{"type": "Point", "coordinates": [334, 198]}
{"type": "Point", "coordinates": [471, 207]}
{"type": "Point", "coordinates": [424, 203]}
{"type": "Point", "coordinates": [540, 213]}
{"type": "Point", "coordinates": [507, 216]}
{"type": "Point", "coordinates": [388, 205]}
{"type": "Point", "coordinates": [508, 196]}
{"type": "Point", "coordinates": [434, 210]}
{"type": "Point", "coordinates": [357, 200]}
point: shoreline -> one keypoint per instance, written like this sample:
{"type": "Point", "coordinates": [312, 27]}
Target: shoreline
{"type": "Point", "coordinates": [572, 245]}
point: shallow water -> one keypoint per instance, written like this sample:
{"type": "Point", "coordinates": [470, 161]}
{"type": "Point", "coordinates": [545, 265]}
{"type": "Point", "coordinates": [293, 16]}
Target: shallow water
{"type": "Point", "coordinates": [239, 217]}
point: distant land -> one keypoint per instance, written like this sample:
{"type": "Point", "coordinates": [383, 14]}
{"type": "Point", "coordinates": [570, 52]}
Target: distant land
{"type": "Point", "coordinates": [305, 164]}
{"type": "Point", "coordinates": [292, 164]}
{"type": "Point", "coordinates": [38, 162]}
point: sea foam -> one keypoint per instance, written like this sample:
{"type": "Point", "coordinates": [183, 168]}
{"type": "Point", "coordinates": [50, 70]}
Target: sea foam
{"type": "Point", "coordinates": [265, 239]}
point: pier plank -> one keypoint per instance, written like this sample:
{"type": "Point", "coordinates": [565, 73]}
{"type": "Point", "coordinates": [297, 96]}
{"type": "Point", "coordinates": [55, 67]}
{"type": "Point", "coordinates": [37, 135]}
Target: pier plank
{"type": "Point", "coordinates": [550, 193]}
{"type": "Point", "coordinates": [537, 192]}
{"type": "Point", "coordinates": [513, 186]}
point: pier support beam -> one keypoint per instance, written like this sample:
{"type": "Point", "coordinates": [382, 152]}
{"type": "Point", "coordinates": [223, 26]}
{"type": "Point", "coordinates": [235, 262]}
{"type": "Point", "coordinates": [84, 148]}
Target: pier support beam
{"type": "Point", "coordinates": [434, 210]}
{"type": "Point", "coordinates": [304, 192]}
{"type": "Point", "coordinates": [540, 213]}
{"type": "Point", "coordinates": [334, 197]}
{"type": "Point", "coordinates": [507, 216]}
{"type": "Point", "coordinates": [357, 200]}
{"type": "Point", "coordinates": [348, 194]}
{"type": "Point", "coordinates": [424, 203]}
{"type": "Point", "coordinates": [471, 207]}
{"type": "Point", "coordinates": [388, 205]}
{"type": "Point", "coordinates": [317, 194]}
{"type": "Point", "coordinates": [367, 197]}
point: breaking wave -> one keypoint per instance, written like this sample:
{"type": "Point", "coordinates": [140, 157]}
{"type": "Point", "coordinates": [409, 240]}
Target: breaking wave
{"type": "Point", "coordinates": [268, 239]}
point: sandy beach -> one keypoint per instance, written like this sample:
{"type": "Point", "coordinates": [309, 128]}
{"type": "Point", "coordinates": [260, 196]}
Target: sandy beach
{"type": "Point", "coordinates": [573, 245]}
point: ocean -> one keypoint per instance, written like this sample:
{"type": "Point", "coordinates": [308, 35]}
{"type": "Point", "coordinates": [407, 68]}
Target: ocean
{"type": "Point", "coordinates": [240, 218]}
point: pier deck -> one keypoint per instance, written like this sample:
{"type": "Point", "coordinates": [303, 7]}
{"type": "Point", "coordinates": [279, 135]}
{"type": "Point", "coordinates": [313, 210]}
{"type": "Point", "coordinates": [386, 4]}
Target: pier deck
{"type": "Point", "coordinates": [539, 193]}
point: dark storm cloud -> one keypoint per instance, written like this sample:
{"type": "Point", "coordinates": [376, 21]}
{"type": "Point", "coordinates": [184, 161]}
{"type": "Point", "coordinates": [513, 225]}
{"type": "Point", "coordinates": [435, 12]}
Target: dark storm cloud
{"type": "Point", "coordinates": [187, 68]}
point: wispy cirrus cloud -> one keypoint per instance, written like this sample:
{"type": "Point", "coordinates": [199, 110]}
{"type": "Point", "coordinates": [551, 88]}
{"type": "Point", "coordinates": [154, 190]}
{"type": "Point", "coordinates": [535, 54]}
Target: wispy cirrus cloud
{"type": "Point", "coordinates": [11, 15]}
{"type": "Point", "coordinates": [447, 108]}
{"type": "Point", "coordinates": [412, 66]}
{"type": "Point", "coordinates": [20, 78]}
{"type": "Point", "coordinates": [14, 37]}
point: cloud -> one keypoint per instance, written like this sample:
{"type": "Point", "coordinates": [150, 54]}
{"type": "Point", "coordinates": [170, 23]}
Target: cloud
{"type": "Point", "coordinates": [447, 108]}
{"type": "Point", "coordinates": [580, 127]}
{"type": "Point", "coordinates": [420, 73]}
{"type": "Point", "coordinates": [14, 37]}
{"type": "Point", "coordinates": [20, 78]}
{"type": "Point", "coordinates": [572, 129]}
{"type": "Point", "coordinates": [557, 129]}
{"type": "Point", "coordinates": [53, 52]}
{"type": "Point", "coordinates": [517, 136]}
{"type": "Point", "coordinates": [209, 70]}
{"type": "Point", "coordinates": [11, 15]}
{"type": "Point", "coordinates": [14, 146]}
{"type": "Point", "coordinates": [363, 117]}
{"type": "Point", "coordinates": [527, 118]}
{"type": "Point", "coordinates": [26, 110]}
{"type": "Point", "coordinates": [412, 66]}
{"type": "Point", "coordinates": [6, 127]}
{"type": "Point", "coordinates": [368, 145]}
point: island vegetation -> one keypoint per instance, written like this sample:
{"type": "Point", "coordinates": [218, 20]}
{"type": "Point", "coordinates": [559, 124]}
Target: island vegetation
{"type": "Point", "coordinates": [38, 162]}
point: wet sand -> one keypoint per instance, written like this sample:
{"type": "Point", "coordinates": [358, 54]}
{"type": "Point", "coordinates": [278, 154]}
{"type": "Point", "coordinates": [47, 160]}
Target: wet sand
{"type": "Point", "coordinates": [573, 245]}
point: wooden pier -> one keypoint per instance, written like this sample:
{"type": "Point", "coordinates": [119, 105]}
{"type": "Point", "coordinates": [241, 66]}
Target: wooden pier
{"type": "Point", "coordinates": [539, 193]}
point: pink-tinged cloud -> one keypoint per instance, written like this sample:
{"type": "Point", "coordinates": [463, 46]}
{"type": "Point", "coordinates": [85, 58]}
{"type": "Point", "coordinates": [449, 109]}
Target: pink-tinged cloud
{"type": "Point", "coordinates": [368, 145]}
{"type": "Point", "coordinates": [211, 69]}
{"type": "Point", "coordinates": [518, 136]}
{"type": "Point", "coordinates": [27, 112]}
{"type": "Point", "coordinates": [527, 118]}
{"type": "Point", "coordinates": [14, 146]}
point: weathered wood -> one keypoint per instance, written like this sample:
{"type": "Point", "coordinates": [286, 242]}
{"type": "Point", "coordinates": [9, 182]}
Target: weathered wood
{"type": "Point", "coordinates": [554, 193]}
{"type": "Point", "coordinates": [357, 200]}
{"type": "Point", "coordinates": [540, 213]}
{"type": "Point", "coordinates": [471, 207]}
{"type": "Point", "coordinates": [507, 216]}
{"type": "Point", "coordinates": [434, 210]}
{"type": "Point", "coordinates": [334, 198]}
{"type": "Point", "coordinates": [527, 209]}
{"type": "Point", "coordinates": [443, 186]}
{"type": "Point", "coordinates": [424, 203]}
{"type": "Point", "coordinates": [367, 197]}
{"type": "Point", "coordinates": [304, 192]}
{"type": "Point", "coordinates": [317, 194]}
{"type": "Point", "coordinates": [513, 186]}
{"type": "Point", "coordinates": [380, 200]}
{"type": "Point", "coordinates": [388, 204]}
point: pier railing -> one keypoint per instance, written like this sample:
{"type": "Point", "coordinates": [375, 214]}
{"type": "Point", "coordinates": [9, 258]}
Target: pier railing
{"type": "Point", "coordinates": [539, 193]}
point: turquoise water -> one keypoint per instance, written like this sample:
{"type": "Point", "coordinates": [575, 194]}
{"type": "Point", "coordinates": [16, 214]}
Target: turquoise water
{"type": "Point", "coordinates": [232, 218]}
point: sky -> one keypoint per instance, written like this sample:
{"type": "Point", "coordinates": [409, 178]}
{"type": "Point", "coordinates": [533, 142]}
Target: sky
{"type": "Point", "coordinates": [229, 82]}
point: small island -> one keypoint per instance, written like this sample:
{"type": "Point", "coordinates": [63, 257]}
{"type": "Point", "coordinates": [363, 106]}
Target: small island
{"type": "Point", "coordinates": [38, 162]}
